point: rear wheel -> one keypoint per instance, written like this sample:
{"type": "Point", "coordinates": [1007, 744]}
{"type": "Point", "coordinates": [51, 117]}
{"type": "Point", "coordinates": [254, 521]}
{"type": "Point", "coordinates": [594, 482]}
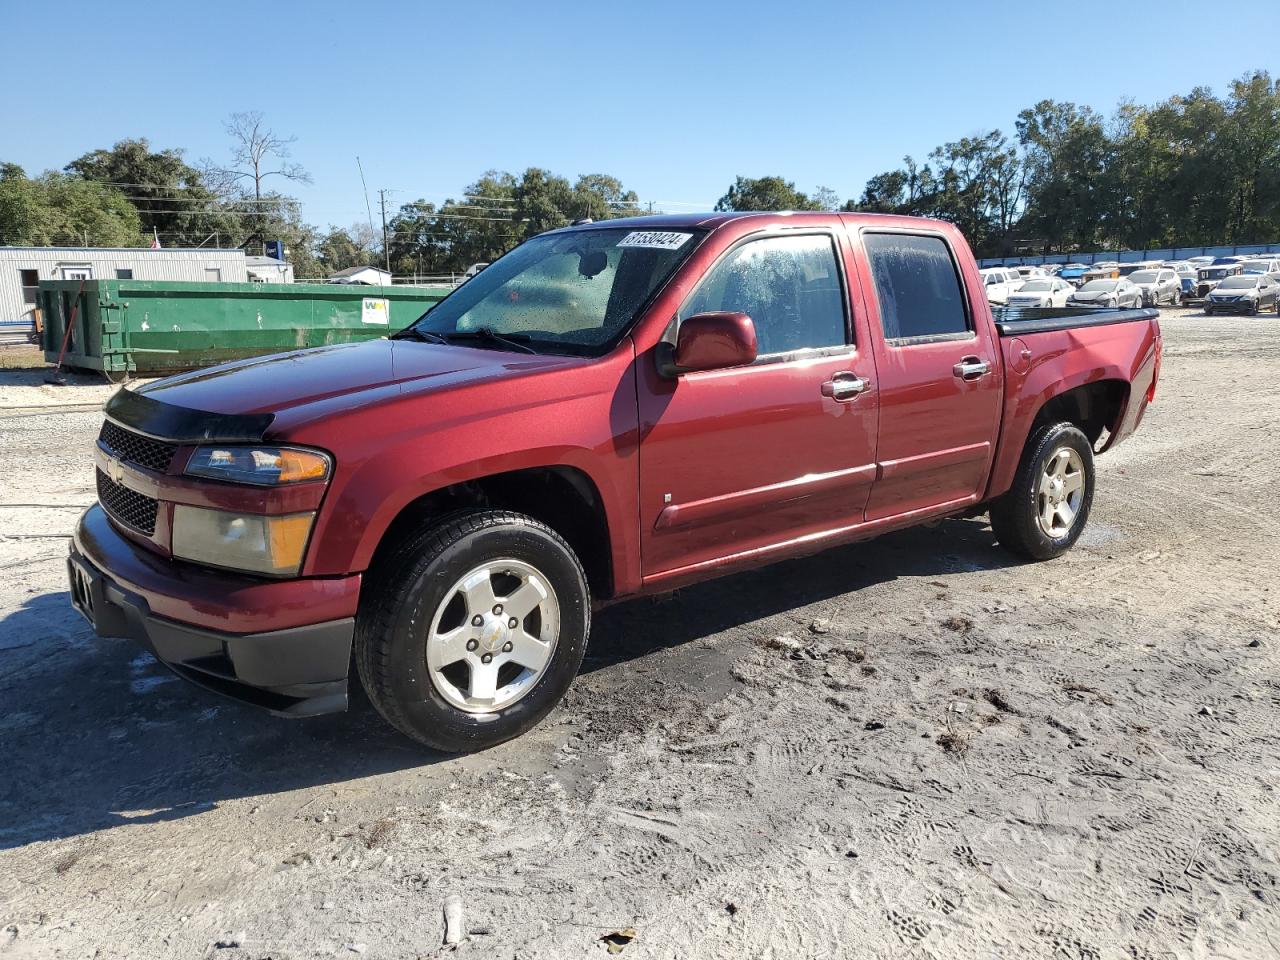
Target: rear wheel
{"type": "Point", "coordinates": [1044, 512]}
{"type": "Point", "coordinates": [471, 632]}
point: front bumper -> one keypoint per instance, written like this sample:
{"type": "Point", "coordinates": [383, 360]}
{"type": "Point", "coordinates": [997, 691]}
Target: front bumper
{"type": "Point", "coordinates": [296, 670]}
{"type": "Point", "coordinates": [1230, 306]}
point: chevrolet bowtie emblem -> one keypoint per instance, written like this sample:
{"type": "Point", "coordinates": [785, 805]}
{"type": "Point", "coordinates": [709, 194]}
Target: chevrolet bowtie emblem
{"type": "Point", "coordinates": [115, 470]}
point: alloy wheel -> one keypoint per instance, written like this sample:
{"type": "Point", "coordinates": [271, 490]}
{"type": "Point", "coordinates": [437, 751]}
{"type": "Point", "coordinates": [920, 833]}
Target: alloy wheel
{"type": "Point", "coordinates": [493, 636]}
{"type": "Point", "coordinates": [1059, 492]}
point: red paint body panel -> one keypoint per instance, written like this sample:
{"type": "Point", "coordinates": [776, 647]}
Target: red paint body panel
{"type": "Point", "coordinates": [1061, 361]}
{"type": "Point", "coordinates": [212, 599]}
{"type": "Point", "coordinates": [696, 475]}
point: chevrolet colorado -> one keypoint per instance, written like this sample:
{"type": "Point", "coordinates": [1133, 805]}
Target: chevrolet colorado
{"type": "Point", "coordinates": [610, 410]}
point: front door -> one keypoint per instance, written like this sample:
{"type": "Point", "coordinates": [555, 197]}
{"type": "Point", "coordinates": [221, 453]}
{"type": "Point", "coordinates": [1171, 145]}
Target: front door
{"type": "Point", "coordinates": [738, 460]}
{"type": "Point", "coordinates": [940, 380]}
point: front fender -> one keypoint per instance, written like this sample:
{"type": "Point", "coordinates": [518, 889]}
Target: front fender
{"type": "Point", "coordinates": [388, 458]}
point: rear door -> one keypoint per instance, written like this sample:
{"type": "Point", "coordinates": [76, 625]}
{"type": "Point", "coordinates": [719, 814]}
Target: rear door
{"type": "Point", "coordinates": [940, 378]}
{"type": "Point", "coordinates": [744, 459]}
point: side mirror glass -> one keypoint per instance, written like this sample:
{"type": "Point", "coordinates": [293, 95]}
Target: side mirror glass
{"type": "Point", "coordinates": [711, 341]}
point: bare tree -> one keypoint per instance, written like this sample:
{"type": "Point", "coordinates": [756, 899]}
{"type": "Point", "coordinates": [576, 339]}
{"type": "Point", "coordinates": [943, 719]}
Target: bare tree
{"type": "Point", "coordinates": [255, 151]}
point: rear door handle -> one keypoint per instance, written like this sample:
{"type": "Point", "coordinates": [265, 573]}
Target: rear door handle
{"type": "Point", "coordinates": [844, 385]}
{"type": "Point", "coordinates": [971, 368]}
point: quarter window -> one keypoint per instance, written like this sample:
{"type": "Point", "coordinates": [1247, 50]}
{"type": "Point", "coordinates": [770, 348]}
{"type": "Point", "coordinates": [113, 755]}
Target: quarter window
{"type": "Point", "coordinates": [789, 287]}
{"type": "Point", "coordinates": [917, 286]}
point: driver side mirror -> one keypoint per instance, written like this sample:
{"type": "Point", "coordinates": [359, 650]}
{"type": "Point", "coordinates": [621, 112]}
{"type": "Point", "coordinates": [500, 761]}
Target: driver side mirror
{"type": "Point", "coordinates": [710, 341]}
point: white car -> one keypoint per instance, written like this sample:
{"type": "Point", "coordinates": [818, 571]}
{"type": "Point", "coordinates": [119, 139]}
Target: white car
{"type": "Point", "coordinates": [1030, 273]}
{"type": "Point", "coordinates": [1042, 292]}
{"type": "Point", "coordinates": [1158, 286]}
{"type": "Point", "coordinates": [1268, 265]}
{"type": "Point", "coordinates": [999, 283]}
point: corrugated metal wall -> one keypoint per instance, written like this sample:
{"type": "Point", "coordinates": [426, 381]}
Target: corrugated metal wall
{"type": "Point", "coordinates": [52, 262]}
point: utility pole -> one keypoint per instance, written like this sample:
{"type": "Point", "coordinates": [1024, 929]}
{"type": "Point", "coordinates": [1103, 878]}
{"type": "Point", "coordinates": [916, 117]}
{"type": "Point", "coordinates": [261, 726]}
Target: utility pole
{"type": "Point", "coordinates": [386, 249]}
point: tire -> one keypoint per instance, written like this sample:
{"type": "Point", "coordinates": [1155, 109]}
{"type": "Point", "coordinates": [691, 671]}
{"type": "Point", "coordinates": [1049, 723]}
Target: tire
{"type": "Point", "coordinates": [416, 592]}
{"type": "Point", "coordinates": [1018, 516]}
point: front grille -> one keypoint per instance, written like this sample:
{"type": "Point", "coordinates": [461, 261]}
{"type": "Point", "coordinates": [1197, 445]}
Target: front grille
{"type": "Point", "coordinates": [135, 448]}
{"type": "Point", "coordinates": [127, 506]}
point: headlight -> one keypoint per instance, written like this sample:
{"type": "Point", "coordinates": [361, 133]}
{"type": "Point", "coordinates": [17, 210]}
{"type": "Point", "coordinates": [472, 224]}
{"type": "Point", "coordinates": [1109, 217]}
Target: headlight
{"type": "Point", "coordinates": [249, 542]}
{"type": "Point", "coordinates": [262, 466]}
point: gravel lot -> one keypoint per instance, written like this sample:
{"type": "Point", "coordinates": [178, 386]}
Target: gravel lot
{"type": "Point", "coordinates": [910, 747]}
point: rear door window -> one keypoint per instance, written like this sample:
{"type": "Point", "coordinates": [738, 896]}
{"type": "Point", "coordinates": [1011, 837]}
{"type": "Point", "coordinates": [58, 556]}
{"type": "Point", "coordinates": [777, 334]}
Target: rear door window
{"type": "Point", "coordinates": [917, 286]}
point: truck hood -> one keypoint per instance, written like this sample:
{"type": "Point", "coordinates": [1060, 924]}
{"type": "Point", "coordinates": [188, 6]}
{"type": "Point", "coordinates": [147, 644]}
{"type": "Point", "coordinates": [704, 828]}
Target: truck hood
{"type": "Point", "coordinates": [263, 388]}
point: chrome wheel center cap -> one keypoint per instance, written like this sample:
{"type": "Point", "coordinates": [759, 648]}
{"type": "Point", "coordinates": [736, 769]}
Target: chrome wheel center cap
{"type": "Point", "coordinates": [493, 634]}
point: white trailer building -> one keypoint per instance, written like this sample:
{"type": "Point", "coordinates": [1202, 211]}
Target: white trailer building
{"type": "Point", "coordinates": [22, 269]}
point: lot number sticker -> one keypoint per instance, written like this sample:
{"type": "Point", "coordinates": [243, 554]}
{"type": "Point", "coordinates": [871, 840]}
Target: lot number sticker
{"type": "Point", "coordinates": [375, 310]}
{"type": "Point", "coordinates": [654, 239]}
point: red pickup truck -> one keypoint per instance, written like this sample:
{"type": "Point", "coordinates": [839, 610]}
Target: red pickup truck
{"type": "Point", "coordinates": [610, 410]}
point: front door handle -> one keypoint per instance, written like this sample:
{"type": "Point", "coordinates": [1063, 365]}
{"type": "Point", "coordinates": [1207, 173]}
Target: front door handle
{"type": "Point", "coordinates": [844, 386]}
{"type": "Point", "coordinates": [971, 368]}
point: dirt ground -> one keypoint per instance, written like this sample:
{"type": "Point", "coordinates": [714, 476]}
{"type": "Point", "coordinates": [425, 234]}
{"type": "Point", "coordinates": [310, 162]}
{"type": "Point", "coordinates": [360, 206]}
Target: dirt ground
{"type": "Point", "coordinates": [913, 747]}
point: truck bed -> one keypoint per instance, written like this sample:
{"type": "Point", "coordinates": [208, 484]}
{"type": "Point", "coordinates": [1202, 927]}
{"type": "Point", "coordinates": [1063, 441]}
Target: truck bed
{"type": "Point", "coordinates": [1015, 321]}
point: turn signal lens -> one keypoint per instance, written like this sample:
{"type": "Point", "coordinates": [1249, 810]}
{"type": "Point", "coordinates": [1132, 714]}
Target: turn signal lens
{"type": "Point", "coordinates": [240, 541]}
{"type": "Point", "coordinates": [262, 466]}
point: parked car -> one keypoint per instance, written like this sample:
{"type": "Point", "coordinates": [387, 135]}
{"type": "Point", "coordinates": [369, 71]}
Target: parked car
{"type": "Point", "coordinates": [1158, 286]}
{"type": "Point", "coordinates": [1187, 281]}
{"type": "Point", "coordinates": [1102, 271]}
{"type": "Point", "coordinates": [1041, 292]}
{"type": "Point", "coordinates": [668, 399]}
{"type": "Point", "coordinates": [1029, 272]}
{"type": "Point", "coordinates": [1209, 277]}
{"type": "Point", "coordinates": [1202, 261]}
{"type": "Point", "coordinates": [1074, 273]}
{"type": "Point", "coordinates": [1246, 293]}
{"type": "Point", "coordinates": [1114, 293]}
{"type": "Point", "coordinates": [999, 282]}
{"type": "Point", "coordinates": [1262, 265]}
{"type": "Point", "coordinates": [1127, 269]}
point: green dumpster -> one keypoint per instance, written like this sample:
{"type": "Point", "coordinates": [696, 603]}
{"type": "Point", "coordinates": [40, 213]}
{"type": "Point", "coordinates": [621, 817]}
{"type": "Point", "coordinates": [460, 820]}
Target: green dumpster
{"type": "Point", "coordinates": [124, 327]}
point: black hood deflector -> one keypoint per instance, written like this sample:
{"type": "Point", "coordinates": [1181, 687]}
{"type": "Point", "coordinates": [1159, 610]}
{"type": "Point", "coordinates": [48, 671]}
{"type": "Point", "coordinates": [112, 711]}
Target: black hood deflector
{"type": "Point", "coordinates": [164, 421]}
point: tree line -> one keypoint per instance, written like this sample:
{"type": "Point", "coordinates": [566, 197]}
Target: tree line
{"type": "Point", "coordinates": [1196, 169]}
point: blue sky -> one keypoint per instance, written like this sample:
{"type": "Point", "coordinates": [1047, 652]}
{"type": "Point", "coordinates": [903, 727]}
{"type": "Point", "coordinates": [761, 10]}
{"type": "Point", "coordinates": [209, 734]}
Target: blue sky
{"type": "Point", "coordinates": [673, 98]}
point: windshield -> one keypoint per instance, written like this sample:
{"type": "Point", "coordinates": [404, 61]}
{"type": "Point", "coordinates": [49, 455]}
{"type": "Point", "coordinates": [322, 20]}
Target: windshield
{"type": "Point", "coordinates": [1143, 276]}
{"type": "Point", "coordinates": [1260, 267]}
{"type": "Point", "coordinates": [1098, 286]}
{"type": "Point", "coordinates": [1217, 273]}
{"type": "Point", "coordinates": [1034, 286]}
{"type": "Point", "coordinates": [574, 292]}
{"type": "Point", "coordinates": [1238, 283]}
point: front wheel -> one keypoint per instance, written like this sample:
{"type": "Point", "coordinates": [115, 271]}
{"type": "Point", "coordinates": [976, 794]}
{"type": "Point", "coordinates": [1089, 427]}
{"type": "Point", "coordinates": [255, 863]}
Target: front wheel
{"type": "Point", "coordinates": [471, 631]}
{"type": "Point", "coordinates": [1044, 512]}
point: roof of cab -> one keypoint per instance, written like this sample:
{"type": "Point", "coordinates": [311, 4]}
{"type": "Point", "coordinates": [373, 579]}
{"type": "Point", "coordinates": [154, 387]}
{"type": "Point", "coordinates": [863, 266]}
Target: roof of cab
{"type": "Point", "coordinates": [710, 221]}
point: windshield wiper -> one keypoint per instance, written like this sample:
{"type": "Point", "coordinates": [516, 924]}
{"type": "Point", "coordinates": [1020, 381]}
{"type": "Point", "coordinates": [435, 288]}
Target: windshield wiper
{"type": "Point", "coordinates": [413, 333]}
{"type": "Point", "coordinates": [489, 335]}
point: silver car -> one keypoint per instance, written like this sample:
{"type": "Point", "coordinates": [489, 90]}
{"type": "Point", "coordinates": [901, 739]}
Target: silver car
{"type": "Point", "coordinates": [1158, 285]}
{"type": "Point", "coordinates": [1107, 293]}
